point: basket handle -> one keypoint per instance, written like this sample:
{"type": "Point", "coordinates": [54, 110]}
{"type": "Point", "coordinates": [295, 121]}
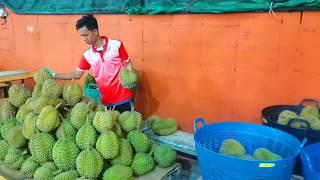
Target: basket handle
{"type": "Point", "coordinates": [313, 101]}
{"type": "Point", "coordinates": [196, 122]}
{"type": "Point", "coordinates": [293, 120]}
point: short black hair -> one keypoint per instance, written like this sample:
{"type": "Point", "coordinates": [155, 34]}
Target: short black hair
{"type": "Point", "coordinates": [88, 21]}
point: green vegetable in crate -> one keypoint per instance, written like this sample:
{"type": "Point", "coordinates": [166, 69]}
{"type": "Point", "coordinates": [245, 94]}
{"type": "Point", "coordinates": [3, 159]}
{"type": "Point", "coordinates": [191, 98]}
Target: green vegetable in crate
{"type": "Point", "coordinates": [72, 93]}
{"type": "Point", "coordinates": [232, 147]}
{"type": "Point", "coordinates": [4, 146]}
{"type": "Point", "coordinates": [164, 155]}
{"type": "Point", "coordinates": [18, 94]}
{"type": "Point", "coordinates": [49, 119]}
{"type": "Point", "coordinates": [125, 155]}
{"type": "Point", "coordinates": [285, 116]}
{"type": "Point", "coordinates": [128, 78]}
{"type": "Point", "coordinates": [265, 155]}
{"type": "Point", "coordinates": [64, 153]}
{"type": "Point", "coordinates": [89, 79]}
{"type": "Point", "coordinates": [139, 141]}
{"type": "Point", "coordinates": [86, 136]}
{"type": "Point", "coordinates": [164, 127]}
{"type": "Point", "coordinates": [130, 120]}
{"type": "Point", "coordinates": [108, 145]}
{"type": "Point", "coordinates": [29, 126]}
{"type": "Point", "coordinates": [310, 111]}
{"type": "Point", "coordinates": [40, 146]}
{"type": "Point", "coordinates": [118, 172]}
{"type": "Point", "coordinates": [37, 90]}
{"type": "Point", "coordinates": [29, 166]}
{"type": "Point", "coordinates": [15, 137]}
{"type": "Point", "coordinates": [51, 88]}
{"type": "Point", "coordinates": [79, 114]}
{"type": "Point", "coordinates": [67, 175]}
{"type": "Point", "coordinates": [8, 111]}
{"type": "Point", "coordinates": [103, 121]}
{"type": "Point", "coordinates": [142, 164]}
{"type": "Point", "coordinates": [316, 125]}
{"type": "Point", "coordinates": [66, 130]}
{"type": "Point", "coordinates": [22, 113]}
{"type": "Point", "coordinates": [40, 76]}
{"type": "Point", "coordinates": [89, 163]}
{"type": "Point", "coordinates": [46, 171]}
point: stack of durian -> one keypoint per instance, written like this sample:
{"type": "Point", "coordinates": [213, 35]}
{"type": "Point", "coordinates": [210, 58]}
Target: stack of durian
{"type": "Point", "coordinates": [56, 133]}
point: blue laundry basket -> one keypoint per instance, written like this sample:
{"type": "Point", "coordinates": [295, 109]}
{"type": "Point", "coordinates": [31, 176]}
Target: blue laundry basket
{"type": "Point", "coordinates": [216, 166]}
{"type": "Point", "coordinates": [310, 158]}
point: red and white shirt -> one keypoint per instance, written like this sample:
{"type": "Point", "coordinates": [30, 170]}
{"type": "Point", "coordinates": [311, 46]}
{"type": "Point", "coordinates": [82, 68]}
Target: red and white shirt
{"type": "Point", "coordinates": [106, 65]}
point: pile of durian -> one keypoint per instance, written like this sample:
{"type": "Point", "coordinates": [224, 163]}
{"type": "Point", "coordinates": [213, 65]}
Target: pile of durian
{"type": "Point", "coordinates": [56, 133]}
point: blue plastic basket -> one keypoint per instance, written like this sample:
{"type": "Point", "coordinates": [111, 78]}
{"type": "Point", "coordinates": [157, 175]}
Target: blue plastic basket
{"type": "Point", "coordinates": [310, 157]}
{"type": "Point", "coordinates": [216, 166]}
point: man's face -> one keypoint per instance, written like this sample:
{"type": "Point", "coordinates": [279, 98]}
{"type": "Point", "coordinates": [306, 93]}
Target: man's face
{"type": "Point", "coordinates": [88, 36]}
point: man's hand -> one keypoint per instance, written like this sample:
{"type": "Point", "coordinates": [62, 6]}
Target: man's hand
{"type": "Point", "coordinates": [51, 73]}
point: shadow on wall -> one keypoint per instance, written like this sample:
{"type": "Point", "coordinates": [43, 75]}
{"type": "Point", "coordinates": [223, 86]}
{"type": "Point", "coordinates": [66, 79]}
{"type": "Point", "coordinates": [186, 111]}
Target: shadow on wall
{"type": "Point", "coordinates": [145, 101]}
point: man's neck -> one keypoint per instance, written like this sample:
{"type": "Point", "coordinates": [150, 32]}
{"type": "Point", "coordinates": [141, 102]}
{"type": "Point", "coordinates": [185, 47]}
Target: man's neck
{"type": "Point", "coordinates": [99, 43]}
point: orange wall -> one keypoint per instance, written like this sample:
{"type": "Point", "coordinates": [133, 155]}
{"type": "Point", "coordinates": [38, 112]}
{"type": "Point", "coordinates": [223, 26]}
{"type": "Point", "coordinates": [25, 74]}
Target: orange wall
{"type": "Point", "coordinates": [221, 67]}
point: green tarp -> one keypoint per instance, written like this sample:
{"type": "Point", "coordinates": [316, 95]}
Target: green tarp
{"type": "Point", "coordinates": [155, 6]}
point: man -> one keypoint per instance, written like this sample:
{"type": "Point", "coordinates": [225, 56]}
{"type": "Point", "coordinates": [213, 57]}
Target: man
{"type": "Point", "coordinates": [105, 57]}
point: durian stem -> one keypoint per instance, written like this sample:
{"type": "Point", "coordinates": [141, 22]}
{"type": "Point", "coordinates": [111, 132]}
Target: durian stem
{"type": "Point", "coordinates": [132, 106]}
{"type": "Point", "coordinates": [114, 107]}
{"type": "Point", "coordinates": [66, 109]}
{"type": "Point", "coordinates": [57, 172]}
{"type": "Point", "coordinates": [58, 105]}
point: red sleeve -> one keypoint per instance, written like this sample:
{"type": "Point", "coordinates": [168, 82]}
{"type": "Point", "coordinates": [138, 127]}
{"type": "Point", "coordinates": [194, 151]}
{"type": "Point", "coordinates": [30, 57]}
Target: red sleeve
{"type": "Point", "coordinates": [84, 65]}
{"type": "Point", "coordinates": [123, 53]}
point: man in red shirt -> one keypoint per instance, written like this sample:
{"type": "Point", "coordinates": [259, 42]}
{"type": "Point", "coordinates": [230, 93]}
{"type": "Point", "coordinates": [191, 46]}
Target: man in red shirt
{"type": "Point", "coordinates": [106, 57]}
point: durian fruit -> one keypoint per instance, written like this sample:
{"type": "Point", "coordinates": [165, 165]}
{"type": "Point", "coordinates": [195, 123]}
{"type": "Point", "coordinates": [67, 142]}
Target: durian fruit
{"type": "Point", "coordinates": [37, 90]}
{"type": "Point", "coordinates": [64, 153]}
{"type": "Point", "coordinates": [66, 130]}
{"type": "Point", "coordinates": [89, 79]}
{"type": "Point", "coordinates": [118, 172]}
{"type": "Point", "coordinates": [232, 147]}
{"type": "Point", "coordinates": [29, 126]}
{"type": "Point", "coordinates": [265, 155]}
{"type": "Point", "coordinates": [22, 113]}
{"type": "Point", "coordinates": [67, 175]}
{"type": "Point", "coordinates": [308, 111]}
{"type": "Point", "coordinates": [128, 78]}
{"type": "Point", "coordinates": [89, 163]}
{"type": "Point", "coordinates": [15, 137]}
{"type": "Point", "coordinates": [29, 166]}
{"type": "Point", "coordinates": [100, 107]}
{"type": "Point", "coordinates": [164, 155]}
{"type": "Point", "coordinates": [140, 142]}
{"type": "Point", "coordinates": [8, 111]}
{"type": "Point", "coordinates": [79, 114]}
{"type": "Point", "coordinates": [285, 116]}
{"type": "Point", "coordinates": [48, 119]}
{"type": "Point", "coordinates": [108, 145]}
{"type": "Point", "coordinates": [142, 164]}
{"type": "Point", "coordinates": [103, 121]}
{"type": "Point", "coordinates": [316, 125]}
{"type": "Point", "coordinates": [18, 94]}
{"type": "Point", "coordinates": [51, 88]}
{"type": "Point", "coordinates": [86, 135]}
{"type": "Point", "coordinates": [6, 126]}
{"type": "Point", "coordinates": [40, 146]}
{"type": "Point", "coordinates": [130, 120]}
{"type": "Point", "coordinates": [164, 127]}
{"type": "Point", "coordinates": [47, 171]}
{"type": "Point", "coordinates": [117, 129]}
{"type": "Point", "coordinates": [15, 157]}
{"type": "Point", "coordinates": [40, 76]}
{"type": "Point", "coordinates": [41, 102]}
{"type": "Point", "coordinates": [72, 93]}
{"type": "Point", "coordinates": [125, 155]}
{"type": "Point", "coordinates": [4, 146]}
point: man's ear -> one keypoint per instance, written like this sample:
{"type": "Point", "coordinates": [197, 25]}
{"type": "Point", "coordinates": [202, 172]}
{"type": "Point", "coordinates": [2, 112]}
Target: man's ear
{"type": "Point", "coordinates": [96, 31]}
